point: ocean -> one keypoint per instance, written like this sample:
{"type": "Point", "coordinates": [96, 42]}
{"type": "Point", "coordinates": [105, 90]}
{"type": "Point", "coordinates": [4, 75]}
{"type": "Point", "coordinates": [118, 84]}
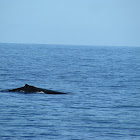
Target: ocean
{"type": "Point", "coordinates": [104, 83]}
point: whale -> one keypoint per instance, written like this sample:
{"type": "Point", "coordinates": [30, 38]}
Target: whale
{"type": "Point", "coordinates": [31, 89]}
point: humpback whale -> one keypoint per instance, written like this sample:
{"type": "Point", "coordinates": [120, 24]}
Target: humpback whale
{"type": "Point", "coordinates": [31, 89]}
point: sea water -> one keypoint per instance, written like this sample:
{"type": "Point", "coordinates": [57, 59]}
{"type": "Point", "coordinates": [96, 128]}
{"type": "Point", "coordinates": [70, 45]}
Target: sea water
{"type": "Point", "coordinates": [104, 83]}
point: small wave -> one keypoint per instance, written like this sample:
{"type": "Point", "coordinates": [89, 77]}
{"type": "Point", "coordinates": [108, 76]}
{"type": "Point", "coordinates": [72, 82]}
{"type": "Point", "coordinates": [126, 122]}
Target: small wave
{"type": "Point", "coordinates": [126, 106]}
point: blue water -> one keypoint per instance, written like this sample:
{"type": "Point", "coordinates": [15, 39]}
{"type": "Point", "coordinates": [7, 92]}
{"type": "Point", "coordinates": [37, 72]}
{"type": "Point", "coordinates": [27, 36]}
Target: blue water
{"type": "Point", "coordinates": [105, 87]}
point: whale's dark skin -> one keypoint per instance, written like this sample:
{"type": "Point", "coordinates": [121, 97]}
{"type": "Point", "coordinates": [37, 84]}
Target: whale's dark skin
{"type": "Point", "coordinates": [31, 89]}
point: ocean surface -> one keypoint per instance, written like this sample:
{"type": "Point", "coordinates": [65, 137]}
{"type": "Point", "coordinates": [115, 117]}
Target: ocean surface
{"type": "Point", "coordinates": [104, 83]}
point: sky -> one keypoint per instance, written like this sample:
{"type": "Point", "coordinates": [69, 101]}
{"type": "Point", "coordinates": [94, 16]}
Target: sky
{"type": "Point", "coordinates": [71, 22]}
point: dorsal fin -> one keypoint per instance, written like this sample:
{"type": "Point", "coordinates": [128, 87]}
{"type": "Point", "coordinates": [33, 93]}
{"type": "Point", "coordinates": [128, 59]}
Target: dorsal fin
{"type": "Point", "coordinates": [26, 85]}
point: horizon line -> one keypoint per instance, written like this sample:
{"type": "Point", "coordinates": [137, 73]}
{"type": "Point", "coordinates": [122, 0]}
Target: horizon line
{"type": "Point", "coordinates": [66, 44]}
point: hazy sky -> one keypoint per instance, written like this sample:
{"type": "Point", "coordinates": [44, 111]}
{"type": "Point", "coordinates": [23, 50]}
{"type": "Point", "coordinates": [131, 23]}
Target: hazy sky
{"type": "Point", "coordinates": [89, 22]}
